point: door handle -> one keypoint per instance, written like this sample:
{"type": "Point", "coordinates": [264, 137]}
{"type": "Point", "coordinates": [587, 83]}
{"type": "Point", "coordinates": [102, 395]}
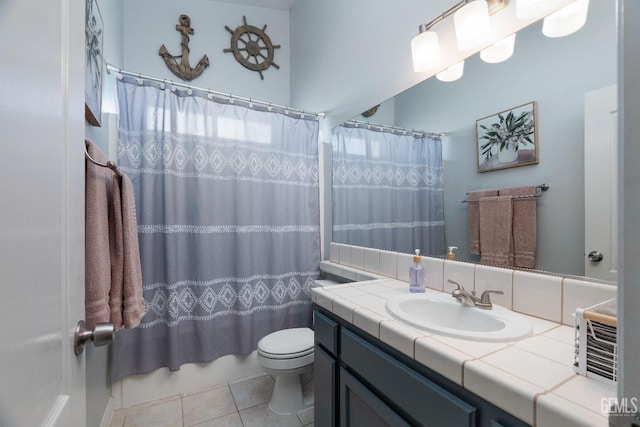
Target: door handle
{"type": "Point", "coordinates": [102, 334]}
{"type": "Point", "coordinates": [595, 256]}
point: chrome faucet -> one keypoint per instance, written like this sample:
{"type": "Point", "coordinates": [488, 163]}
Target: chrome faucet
{"type": "Point", "coordinates": [470, 299]}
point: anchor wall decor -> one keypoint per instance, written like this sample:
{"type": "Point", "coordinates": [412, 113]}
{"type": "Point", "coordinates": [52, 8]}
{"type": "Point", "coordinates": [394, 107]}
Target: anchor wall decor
{"type": "Point", "coordinates": [182, 68]}
{"type": "Point", "coordinates": [252, 47]}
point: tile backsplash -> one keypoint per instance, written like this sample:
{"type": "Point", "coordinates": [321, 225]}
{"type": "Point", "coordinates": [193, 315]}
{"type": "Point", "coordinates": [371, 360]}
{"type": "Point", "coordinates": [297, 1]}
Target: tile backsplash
{"type": "Point", "coordinates": [545, 296]}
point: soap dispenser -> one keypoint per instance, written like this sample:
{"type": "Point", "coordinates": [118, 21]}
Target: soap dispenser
{"type": "Point", "coordinates": [416, 274]}
{"type": "Point", "coordinates": [450, 254]}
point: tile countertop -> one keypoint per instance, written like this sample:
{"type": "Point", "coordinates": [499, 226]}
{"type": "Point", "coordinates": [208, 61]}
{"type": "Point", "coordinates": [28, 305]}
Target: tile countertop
{"type": "Point", "coordinates": [533, 378]}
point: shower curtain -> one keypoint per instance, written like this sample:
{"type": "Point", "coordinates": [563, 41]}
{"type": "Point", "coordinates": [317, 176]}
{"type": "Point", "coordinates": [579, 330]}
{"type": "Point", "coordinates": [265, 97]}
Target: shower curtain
{"type": "Point", "coordinates": [228, 223]}
{"type": "Point", "coordinates": [388, 189]}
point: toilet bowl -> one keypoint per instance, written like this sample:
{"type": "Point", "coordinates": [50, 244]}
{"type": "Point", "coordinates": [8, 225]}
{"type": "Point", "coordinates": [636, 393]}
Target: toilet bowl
{"type": "Point", "coordinates": [287, 355]}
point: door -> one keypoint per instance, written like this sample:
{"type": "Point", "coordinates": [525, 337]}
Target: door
{"type": "Point", "coordinates": [42, 212]}
{"type": "Point", "coordinates": [600, 183]}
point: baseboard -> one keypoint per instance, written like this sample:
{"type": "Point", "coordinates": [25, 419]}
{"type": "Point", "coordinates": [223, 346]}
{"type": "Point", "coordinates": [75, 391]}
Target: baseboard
{"type": "Point", "coordinates": [108, 413]}
{"type": "Point", "coordinates": [192, 377]}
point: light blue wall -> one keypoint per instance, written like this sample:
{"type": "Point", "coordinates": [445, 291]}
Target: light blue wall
{"type": "Point", "coordinates": [98, 389]}
{"type": "Point", "coordinates": [134, 30]}
{"type": "Point", "coordinates": [555, 73]}
{"type": "Point", "coordinates": [348, 56]}
{"type": "Point", "coordinates": [150, 23]}
{"type": "Point", "coordinates": [351, 67]}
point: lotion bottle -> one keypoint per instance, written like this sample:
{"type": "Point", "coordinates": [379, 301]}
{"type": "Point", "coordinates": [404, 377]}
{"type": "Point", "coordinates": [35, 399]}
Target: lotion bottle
{"type": "Point", "coordinates": [450, 254]}
{"type": "Point", "coordinates": [416, 274]}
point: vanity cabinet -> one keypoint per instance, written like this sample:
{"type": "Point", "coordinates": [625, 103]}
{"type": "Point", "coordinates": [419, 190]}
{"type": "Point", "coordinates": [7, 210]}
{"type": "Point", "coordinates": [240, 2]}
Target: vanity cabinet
{"type": "Point", "coordinates": [361, 381]}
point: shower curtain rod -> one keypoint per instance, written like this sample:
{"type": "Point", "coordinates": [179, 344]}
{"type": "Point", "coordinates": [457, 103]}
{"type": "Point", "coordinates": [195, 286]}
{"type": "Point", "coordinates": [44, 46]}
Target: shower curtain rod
{"type": "Point", "coordinates": [229, 96]}
{"type": "Point", "coordinates": [358, 123]}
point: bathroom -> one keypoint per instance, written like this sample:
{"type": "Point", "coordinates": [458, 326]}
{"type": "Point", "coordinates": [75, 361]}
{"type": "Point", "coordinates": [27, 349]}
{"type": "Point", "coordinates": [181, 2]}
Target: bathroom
{"type": "Point", "coordinates": [310, 51]}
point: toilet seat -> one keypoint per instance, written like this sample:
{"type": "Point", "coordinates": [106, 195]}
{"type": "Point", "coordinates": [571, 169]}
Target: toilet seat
{"type": "Point", "coordinates": [287, 343]}
{"type": "Point", "coordinates": [285, 356]}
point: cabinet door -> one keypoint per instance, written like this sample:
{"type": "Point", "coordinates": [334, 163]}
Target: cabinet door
{"type": "Point", "coordinates": [359, 407]}
{"type": "Point", "coordinates": [325, 392]}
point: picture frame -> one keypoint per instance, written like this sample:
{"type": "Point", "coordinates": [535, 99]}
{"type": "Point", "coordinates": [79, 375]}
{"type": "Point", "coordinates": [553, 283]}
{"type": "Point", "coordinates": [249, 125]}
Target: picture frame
{"type": "Point", "coordinates": [507, 139]}
{"type": "Point", "coordinates": [94, 61]}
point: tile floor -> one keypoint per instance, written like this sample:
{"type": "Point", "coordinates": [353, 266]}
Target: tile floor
{"type": "Point", "coordinates": [238, 404]}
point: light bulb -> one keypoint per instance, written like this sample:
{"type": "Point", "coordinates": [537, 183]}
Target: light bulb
{"type": "Point", "coordinates": [425, 51]}
{"type": "Point", "coordinates": [567, 20]}
{"type": "Point", "coordinates": [452, 73]}
{"type": "Point", "coordinates": [472, 25]}
{"type": "Point", "coordinates": [528, 9]}
{"type": "Point", "coordinates": [499, 51]}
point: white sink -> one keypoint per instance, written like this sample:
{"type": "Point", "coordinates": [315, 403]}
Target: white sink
{"type": "Point", "coordinates": [443, 314]}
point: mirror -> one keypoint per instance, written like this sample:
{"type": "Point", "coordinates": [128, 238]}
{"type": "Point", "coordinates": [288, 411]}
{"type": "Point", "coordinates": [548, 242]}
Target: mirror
{"type": "Point", "coordinates": [556, 73]}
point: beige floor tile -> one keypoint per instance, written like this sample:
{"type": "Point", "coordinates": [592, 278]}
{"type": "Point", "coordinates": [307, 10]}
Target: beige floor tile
{"type": "Point", "coordinates": [252, 392]}
{"type": "Point", "coordinates": [207, 405]}
{"type": "Point", "coordinates": [165, 413]}
{"type": "Point", "coordinates": [261, 416]}
{"type": "Point", "coordinates": [231, 420]}
{"type": "Point", "coordinates": [117, 419]}
{"type": "Point", "coordinates": [306, 416]}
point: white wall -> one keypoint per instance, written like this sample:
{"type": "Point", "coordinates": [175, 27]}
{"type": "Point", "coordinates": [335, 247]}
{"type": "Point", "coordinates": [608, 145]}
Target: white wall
{"type": "Point", "coordinates": [148, 24]}
{"type": "Point", "coordinates": [556, 73]}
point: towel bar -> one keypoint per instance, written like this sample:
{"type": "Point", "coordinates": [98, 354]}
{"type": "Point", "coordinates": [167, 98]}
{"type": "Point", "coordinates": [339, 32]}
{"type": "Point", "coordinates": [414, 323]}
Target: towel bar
{"type": "Point", "coordinates": [539, 189]}
{"type": "Point", "coordinates": [109, 164]}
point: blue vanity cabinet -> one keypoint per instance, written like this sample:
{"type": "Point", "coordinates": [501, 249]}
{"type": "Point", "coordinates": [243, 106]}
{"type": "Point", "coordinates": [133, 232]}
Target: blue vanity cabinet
{"type": "Point", "coordinates": [325, 392]}
{"type": "Point", "coordinates": [361, 381]}
{"type": "Point", "coordinates": [359, 406]}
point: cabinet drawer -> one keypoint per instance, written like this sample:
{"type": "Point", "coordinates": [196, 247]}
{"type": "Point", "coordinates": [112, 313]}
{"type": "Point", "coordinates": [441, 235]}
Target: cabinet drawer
{"type": "Point", "coordinates": [427, 403]}
{"type": "Point", "coordinates": [326, 332]}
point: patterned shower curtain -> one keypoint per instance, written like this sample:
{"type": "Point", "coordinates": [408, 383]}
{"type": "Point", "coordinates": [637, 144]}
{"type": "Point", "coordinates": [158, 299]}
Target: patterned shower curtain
{"type": "Point", "coordinates": [228, 223]}
{"type": "Point", "coordinates": [388, 189]}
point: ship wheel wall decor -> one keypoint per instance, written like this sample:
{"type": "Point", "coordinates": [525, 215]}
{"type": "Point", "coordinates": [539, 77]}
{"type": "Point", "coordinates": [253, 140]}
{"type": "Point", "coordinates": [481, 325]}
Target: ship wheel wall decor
{"type": "Point", "coordinates": [252, 47]}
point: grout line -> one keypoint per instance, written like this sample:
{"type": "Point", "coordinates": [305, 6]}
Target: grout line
{"type": "Point", "coordinates": [562, 302]}
{"type": "Point", "coordinates": [182, 409]}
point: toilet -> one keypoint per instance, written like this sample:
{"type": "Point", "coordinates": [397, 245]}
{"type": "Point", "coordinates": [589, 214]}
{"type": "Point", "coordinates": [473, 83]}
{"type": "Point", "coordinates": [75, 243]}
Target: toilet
{"type": "Point", "coordinates": [287, 355]}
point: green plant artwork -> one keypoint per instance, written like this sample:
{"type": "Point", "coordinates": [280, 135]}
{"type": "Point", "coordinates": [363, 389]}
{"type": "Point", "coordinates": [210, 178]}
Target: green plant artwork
{"type": "Point", "coordinates": [93, 28]}
{"type": "Point", "coordinates": [507, 139]}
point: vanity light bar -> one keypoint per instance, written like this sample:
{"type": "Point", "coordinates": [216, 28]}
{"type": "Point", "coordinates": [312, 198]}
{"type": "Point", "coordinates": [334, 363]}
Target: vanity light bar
{"type": "Point", "coordinates": [493, 5]}
{"type": "Point", "coordinates": [425, 46]}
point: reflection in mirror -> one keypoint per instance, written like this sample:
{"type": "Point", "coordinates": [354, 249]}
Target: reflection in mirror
{"type": "Point", "coordinates": [556, 73]}
{"type": "Point", "coordinates": [387, 189]}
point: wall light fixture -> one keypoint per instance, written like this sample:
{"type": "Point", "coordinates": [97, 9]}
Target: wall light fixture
{"type": "Point", "coordinates": [452, 73]}
{"type": "Point", "coordinates": [567, 20]}
{"type": "Point", "coordinates": [471, 20]}
{"type": "Point", "coordinates": [499, 51]}
{"type": "Point", "coordinates": [473, 29]}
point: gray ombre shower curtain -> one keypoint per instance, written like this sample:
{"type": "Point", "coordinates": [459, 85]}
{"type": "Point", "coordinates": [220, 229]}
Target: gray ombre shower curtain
{"type": "Point", "coordinates": [388, 189]}
{"type": "Point", "coordinates": [228, 223]}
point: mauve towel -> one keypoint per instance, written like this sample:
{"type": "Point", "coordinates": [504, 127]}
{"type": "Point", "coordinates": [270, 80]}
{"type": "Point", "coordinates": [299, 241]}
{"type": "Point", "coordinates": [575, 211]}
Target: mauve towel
{"type": "Point", "coordinates": [98, 201]}
{"type": "Point", "coordinates": [113, 278]}
{"type": "Point", "coordinates": [116, 252]}
{"type": "Point", "coordinates": [133, 308]}
{"type": "Point", "coordinates": [524, 224]}
{"type": "Point", "coordinates": [474, 218]}
{"type": "Point", "coordinates": [495, 230]}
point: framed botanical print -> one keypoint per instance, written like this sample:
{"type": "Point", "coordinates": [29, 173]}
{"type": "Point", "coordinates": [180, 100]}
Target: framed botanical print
{"type": "Point", "coordinates": [94, 59]}
{"type": "Point", "coordinates": [507, 139]}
